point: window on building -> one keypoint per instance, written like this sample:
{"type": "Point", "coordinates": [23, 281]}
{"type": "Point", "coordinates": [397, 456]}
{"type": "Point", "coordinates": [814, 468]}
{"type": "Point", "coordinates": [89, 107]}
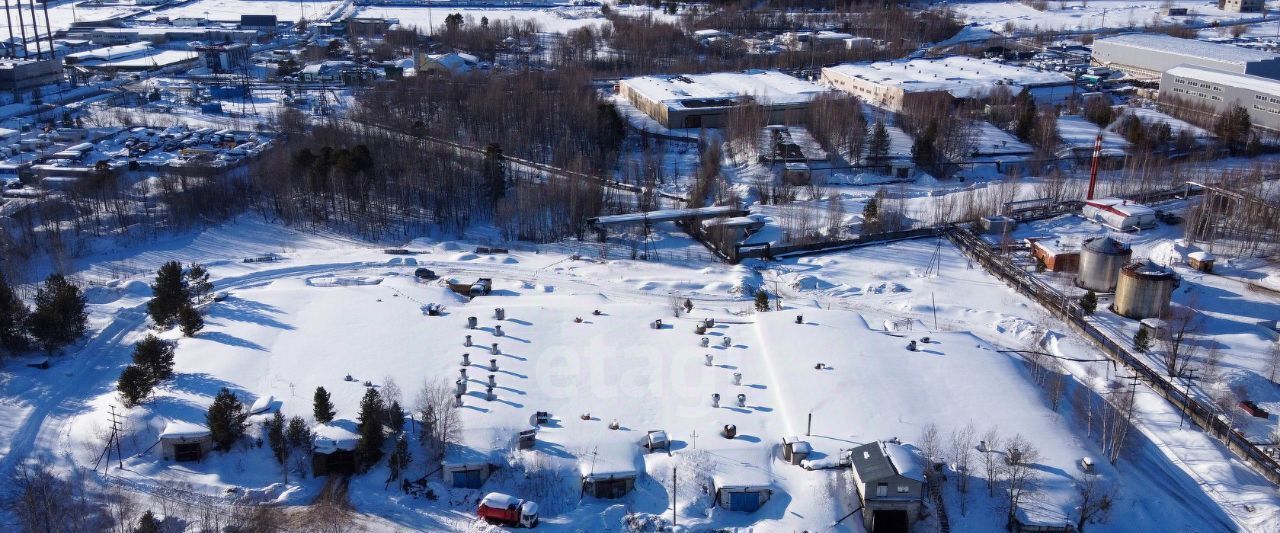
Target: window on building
{"type": "Point", "coordinates": [882, 489]}
{"type": "Point", "coordinates": [903, 489]}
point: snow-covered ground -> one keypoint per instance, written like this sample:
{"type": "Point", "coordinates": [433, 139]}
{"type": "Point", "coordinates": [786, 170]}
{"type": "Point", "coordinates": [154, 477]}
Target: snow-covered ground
{"type": "Point", "coordinates": [231, 10]}
{"type": "Point", "coordinates": [332, 307]}
{"type": "Point", "coordinates": [559, 19]}
{"type": "Point", "coordinates": [1096, 14]}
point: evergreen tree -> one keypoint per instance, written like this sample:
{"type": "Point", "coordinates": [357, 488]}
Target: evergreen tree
{"type": "Point", "coordinates": [1142, 340]}
{"type": "Point", "coordinates": [274, 427]}
{"type": "Point", "coordinates": [168, 294]}
{"type": "Point", "coordinates": [190, 320]}
{"type": "Point", "coordinates": [925, 150]}
{"type": "Point", "coordinates": [226, 419]}
{"type": "Point", "coordinates": [198, 284]}
{"type": "Point", "coordinates": [878, 146]}
{"type": "Point", "coordinates": [59, 317]}
{"type": "Point", "coordinates": [322, 407]}
{"type": "Point", "coordinates": [371, 437]}
{"type": "Point", "coordinates": [1025, 125]}
{"type": "Point", "coordinates": [400, 458]}
{"type": "Point", "coordinates": [495, 174]}
{"type": "Point", "coordinates": [1232, 128]}
{"type": "Point", "coordinates": [395, 417]}
{"type": "Point", "coordinates": [134, 385]}
{"type": "Point", "coordinates": [297, 433]}
{"type": "Point", "coordinates": [688, 305]}
{"type": "Point", "coordinates": [762, 300]}
{"type": "Point", "coordinates": [148, 523]}
{"type": "Point", "coordinates": [1089, 302]}
{"type": "Point", "coordinates": [155, 356]}
{"type": "Point", "coordinates": [13, 320]}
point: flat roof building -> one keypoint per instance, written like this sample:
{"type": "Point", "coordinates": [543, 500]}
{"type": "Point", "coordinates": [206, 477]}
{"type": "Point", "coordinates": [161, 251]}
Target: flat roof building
{"type": "Point", "coordinates": [24, 74]}
{"type": "Point", "coordinates": [1146, 56]}
{"type": "Point", "coordinates": [895, 85]}
{"type": "Point", "coordinates": [1242, 6]}
{"type": "Point", "coordinates": [704, 100]}
{"type": "Point", "coordinates": [1215, 91]}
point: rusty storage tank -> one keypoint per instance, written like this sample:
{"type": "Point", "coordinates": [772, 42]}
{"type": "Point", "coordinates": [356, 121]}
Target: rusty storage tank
{"type": "Point", "coordinates": [1144, 290]}
{"type": "Point", "coordinates": [1100, 261]}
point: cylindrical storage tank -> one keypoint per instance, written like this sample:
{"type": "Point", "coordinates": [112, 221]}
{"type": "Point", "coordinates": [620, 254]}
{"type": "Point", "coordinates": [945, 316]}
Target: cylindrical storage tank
{"type": "Point", "coordinates": [1100, 262]}
{"type": "Point", "coordinates": [1144, 290]}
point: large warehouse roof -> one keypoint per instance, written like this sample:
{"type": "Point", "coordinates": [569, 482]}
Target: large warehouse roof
{"type": "Point", "coordinates": [768, 86]}
{"type": "Point", "coordinates": [958, 75]}
{"type": "Point", "coordinates": [1231, 79]}
{"type": "Point", "coordinates": [1224, 53]}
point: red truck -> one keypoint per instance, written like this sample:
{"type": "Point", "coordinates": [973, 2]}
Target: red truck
{"type": "Point", "coordinates": [508, 510]}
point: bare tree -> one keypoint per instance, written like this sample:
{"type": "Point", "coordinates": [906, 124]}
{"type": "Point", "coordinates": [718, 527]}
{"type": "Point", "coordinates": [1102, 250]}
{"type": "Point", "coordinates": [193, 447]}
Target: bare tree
{"type": "Point", "coordinates": [1273, 363]}
{"type": "Point", "coordinates": [441, 425]}
{"type": "Point", "coordinates": [961, 455]}
{"type": "Point", "coordinates": [1096, 497]}
{"type": "Point", "coordinates": [930, 442]}
{"type": "Point", "coordinates": [991, 458]}
{"type": "Point", "coordinates": [1020, 475]}
{"type": "Point", "coordinates": [1175, 352]}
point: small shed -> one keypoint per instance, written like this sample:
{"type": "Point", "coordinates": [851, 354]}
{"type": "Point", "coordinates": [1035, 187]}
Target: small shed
{"type": "Point", "coordinates": [185, 441]}
{"type": "Point", "coordinates": [606, 478]}
{"type": "Point", "coordinates": [1202, 261]}
{"type": "Point", "coordinates": [1155, 327]}
{"type": "Point", "coordinates": [333, 448]}
{"type": "Point", "coordinates": [794, 450]}
{"type": "Point", "coordinates": [741, 489]}
{"type": "Point", "coordinates": [997, 224]}
{"type": "Point", "coordinates": [657, 440]}
{"type": "Point", "coordinates": [461, 475]}
{"type": "Point", "coordinates": [1056, 255]}
{"type": "Point", "coordinates": [796, 173]}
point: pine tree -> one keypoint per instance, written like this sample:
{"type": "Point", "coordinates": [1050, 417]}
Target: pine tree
{"type": "Point", "coordinates": [59, 317]}
{"type": "Point", "coordinates": [1089, 302]}
{"type": "Point", "coordinates": [148, 523]}
{"type": "Point", "coordinates": [134, 385]}
{"type": "Point", "coordinates": [190, 320]}
{"type": "Point", "coordinates": [274, 428]}
{"type": "Point", "coordinates": [155, 356]}
{"type": "Point", "coordinates": [168, 294]}
{"type": "Point", "coordinates": [198, 284]}
{"type": "Point", "coordinates": [762, 300]}
{"type": "Point", "coordinates": [878, 146]}
{"type": "Point", "coordinates": [1142, 340]}
{"type": "Point", "coordinates": [400, 458]}
{"type": "Point", "coordinates": [297, 433]}
{"type": "Point", "coordinates": [688, 305]}
{"type": "Point", "coordinates": [322, 407]}
{"type": "Point", "coordinates": [226, 419]}
{"type": "Point", "coordinates": [494, 171]}
{"type": "Point", "coordinates": [395, 417]}
{"type": "Point", "coordinates": [13, 320]}
{"type": "Point", "coordinates": [371, 437]}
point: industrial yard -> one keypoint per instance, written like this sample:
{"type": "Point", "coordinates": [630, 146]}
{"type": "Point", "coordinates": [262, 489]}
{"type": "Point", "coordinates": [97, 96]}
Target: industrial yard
{"type": "Point", "coordinates": [639, 266]}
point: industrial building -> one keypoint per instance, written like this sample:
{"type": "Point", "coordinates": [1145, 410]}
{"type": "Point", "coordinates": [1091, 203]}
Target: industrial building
{"type": "Point", "coordinates": [166, 34]}
{"type": "Point", "coordinates": [224, 57]}
{"type": "Point", "coordinates": [1242, 6]}
{"type": "Point", "coordinates": [897, 85]}
{"type": "Point", "coordinates": [889, 479]}
{"type": "Point", "coordinates": [1215, 91]}
{"type": "Point", "coordinates": [25, 74]}
{"type": "Point", "coordinates": [1147, 56]}
{"type": "Point", "coordinates": [704, 100]}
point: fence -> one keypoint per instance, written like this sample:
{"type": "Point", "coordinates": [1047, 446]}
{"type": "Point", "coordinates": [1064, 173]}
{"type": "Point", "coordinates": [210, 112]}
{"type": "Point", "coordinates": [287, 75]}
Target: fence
{"type": "Point", "coordinates": [1197, 411]}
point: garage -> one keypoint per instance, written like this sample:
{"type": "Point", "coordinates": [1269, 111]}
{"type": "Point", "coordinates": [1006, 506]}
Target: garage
{"type": "Point", "coordinates": [187, 451]}
{"type": "Point", "coordinates": [889, 522]}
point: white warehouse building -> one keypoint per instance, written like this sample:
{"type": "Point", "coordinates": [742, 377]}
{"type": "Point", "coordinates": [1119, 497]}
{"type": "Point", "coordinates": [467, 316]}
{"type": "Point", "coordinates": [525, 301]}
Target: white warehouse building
{"type": "Point", "coordinates": [1147, 56]}
{"type": "Point", "coordinates": [704, 100]}
{"type": "Point", "coordinates": [1215, 91]}
{"type": "Point", "coordinates": [895, 85]}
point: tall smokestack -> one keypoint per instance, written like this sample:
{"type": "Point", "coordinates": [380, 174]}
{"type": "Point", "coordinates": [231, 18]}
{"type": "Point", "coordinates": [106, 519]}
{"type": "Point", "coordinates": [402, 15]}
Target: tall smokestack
{"type": "Point", "coordinates": [8, 23]}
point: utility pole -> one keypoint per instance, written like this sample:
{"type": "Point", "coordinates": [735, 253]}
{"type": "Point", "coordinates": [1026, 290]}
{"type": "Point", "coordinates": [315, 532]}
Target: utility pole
{"type": "Point", "coordinates": [1186, 404]}
{"type": "Point", "coordinates": [809, 429]}
{"type": "Point", "coordinates": [674, 501]}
